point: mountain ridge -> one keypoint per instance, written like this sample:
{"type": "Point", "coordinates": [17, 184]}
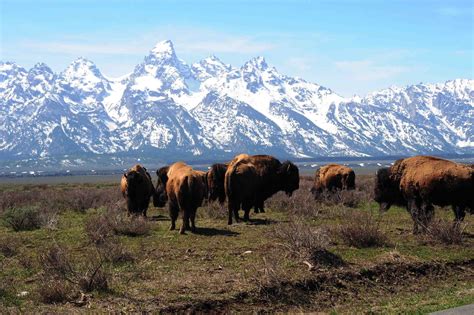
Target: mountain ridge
{"type": "Point", "coordinates": [210, 108]}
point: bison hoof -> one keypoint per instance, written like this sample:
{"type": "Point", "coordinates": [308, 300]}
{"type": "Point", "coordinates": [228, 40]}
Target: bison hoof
{"type": "Point", "coordinates": [172, 228]}
{"type": "Point", "coordinates": [182, 231]}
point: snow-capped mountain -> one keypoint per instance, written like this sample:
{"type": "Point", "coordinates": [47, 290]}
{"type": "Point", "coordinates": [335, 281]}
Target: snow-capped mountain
{"type": "Point", "coordinates": [166, 107]}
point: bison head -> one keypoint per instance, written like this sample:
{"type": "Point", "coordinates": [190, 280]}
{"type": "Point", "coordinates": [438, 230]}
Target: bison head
{"type": "Point", "coordinates": [291, 177]}
{"type": "Point", "coordinates": [215, 182]}
{"type": "Point", "coordinates": [160, 197]}
{"type": "Point", "coordinates": [134, 182]}
{"type": "Point", "coordinates": [386, 191]}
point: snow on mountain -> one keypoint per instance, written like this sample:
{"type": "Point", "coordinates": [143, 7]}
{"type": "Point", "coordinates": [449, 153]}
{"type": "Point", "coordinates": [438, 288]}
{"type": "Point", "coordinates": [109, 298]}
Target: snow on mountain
{"type": "Point", "coordinates": [166, 107]}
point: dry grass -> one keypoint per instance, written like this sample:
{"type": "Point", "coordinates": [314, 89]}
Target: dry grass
{"type": "Point", "coordinates": [446, 232]}
{"type": "Point", "coordinates": [9, 246]}
{"type": "Point", "coordinates": [361, 230]}
{"type": "Point", "coordinates": [213, 210]}
{"type": "Point", "coordinates": [24, 218]}
{"type": "Point", "coordinates": [54, 291]}
{"type": "Point", "coordinates": [307, 243]}
{"type": "Point", "coordinates": [129, 225]}
{"type": "Point", "coordinates": [58, 267]}
{"type": "Point", "coordinates": [59, 200]}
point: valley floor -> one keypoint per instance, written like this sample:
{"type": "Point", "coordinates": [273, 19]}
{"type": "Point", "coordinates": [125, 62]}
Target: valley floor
{"type": "Point", "coordinates": [296, 257]}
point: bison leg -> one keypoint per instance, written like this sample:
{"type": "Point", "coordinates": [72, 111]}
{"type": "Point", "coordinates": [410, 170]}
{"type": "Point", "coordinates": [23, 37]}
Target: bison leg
{"type": "Point", "coordinates": [459, 214]}
{"type": "Point", "coordinates": [246, 206]}
{"type": "Point", "coordinates": [185, 225]}
{"type": "Point", "coordinates": [174, 211]}
{"type": "Point", "coordinates": [259, 207]}
{"type": "Point", "coordinates": [426, 215]}
{"type": "Point", "coordinates": [145, 206]}
{"type": "Point", "coordinates": [193, 219]}
{"type": "Point", "coordinates": [233, 209]}
{"type": "Point", "coordinates": [413, 210]}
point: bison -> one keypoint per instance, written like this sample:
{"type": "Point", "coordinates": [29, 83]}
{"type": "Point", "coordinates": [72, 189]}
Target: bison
{"type": "Point", "coordinates": [420, 182]}
{"type": "Point", "coordinates": [250, 180]}
{"type": "Point", "coordinates": [137, 189]}
{"type": "Point", "coordinates": [215, 182]}
{"type": "Point", "coordinates": [333, 177]}
{"type": "Point", "coordinates": [184, 189]}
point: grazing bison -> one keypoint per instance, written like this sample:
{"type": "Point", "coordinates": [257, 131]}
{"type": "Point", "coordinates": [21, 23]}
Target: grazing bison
{"type": "Point", "coordinates": [420, 182]}
{"type": "Point", "coordinates": [184, 189]}
{"type": "Point", "coordinates": [250, 180]}
{"type": "Point", "coordinates": [137, 189]}
{"type": "Point", "coordinates": [215, 182]}
{"type": "Point", "coordinates": [332, 177]}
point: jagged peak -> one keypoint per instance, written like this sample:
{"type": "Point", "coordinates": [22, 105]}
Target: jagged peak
{"type": "Point", "coordinates": [8, 65]}
{"type": "Point", "coordinates": [83, 68]}
{"type": "Point", "coordinates": [258, 62]}
{"type": "Point", "coordinates": [41, 66]}
{"type": "Point", "coordinates": [163, 48]}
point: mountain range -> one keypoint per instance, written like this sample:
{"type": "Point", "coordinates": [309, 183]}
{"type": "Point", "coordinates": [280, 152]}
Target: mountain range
{"type": "Point", "coordinates": [173, 110]}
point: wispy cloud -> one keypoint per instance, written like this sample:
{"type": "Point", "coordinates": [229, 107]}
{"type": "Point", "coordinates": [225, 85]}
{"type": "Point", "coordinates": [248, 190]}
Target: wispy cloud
{"type": "Point", "coordinates": [186, 40]}
{"type": "Point", "coordinates": [367, 70]}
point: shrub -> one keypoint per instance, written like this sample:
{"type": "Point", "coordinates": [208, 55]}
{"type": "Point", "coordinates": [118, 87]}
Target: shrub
{"type": "Point", "coordinates": [23, 219]}
{"type": "Point", "coordinates": [300, 237]}
{"type": "Point", "coordinates": [54, 291]}
{"type": "Point", "coordinates": [214, 210]}
{"type": "Point", "coordinates": [57, 266]}
{"type": "Point", "coordinates": [98, 228]}
{"type": "Point", "coordinates": [361, 230]}
{"type": "Point", "coordinates": [113, 251]}
{"type": "Point", "coordinates": [308, 243]}
{"type": "Point", "coordinates": [130, 225]}
{"type": "Point", "coordinates": [446, 232]}
{"type": "Point", "coordinates": [9, 246]}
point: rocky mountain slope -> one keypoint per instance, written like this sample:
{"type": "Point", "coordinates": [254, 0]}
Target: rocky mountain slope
{"type": "Point", "coordinates": [209, 109]}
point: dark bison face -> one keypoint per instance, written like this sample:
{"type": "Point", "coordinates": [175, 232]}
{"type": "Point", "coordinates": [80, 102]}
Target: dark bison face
{"type": "Point", "coordinates": [160, 197]}
{"type": "Point", "coordinates": [215, 182]}
{"type": "Point", "coordinates": [134, 182]}
{"type": "Point", "coordinates": [291, 177]}
{"type": "Point", "coordinates": [386, 191]}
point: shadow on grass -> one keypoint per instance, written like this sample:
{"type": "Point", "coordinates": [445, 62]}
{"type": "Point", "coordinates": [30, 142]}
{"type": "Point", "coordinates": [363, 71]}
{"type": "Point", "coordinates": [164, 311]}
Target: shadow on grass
{"type": "Point", "coordinates": [255, 221]}
{"type": "Point", "coordinates": [159, 218]}
{"type": "Point", "coordinates": [213, 231]}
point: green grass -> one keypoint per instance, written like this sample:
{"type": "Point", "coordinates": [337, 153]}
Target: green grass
{"type": "Point", "coordinates": [172, 269]}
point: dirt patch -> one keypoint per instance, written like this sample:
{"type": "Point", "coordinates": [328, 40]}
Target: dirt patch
{"type": "Point", "coordinates": [325, 290]}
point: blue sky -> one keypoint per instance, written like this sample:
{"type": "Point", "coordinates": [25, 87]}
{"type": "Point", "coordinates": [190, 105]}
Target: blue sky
{"type": "Point", "coordinates": [352, 47]}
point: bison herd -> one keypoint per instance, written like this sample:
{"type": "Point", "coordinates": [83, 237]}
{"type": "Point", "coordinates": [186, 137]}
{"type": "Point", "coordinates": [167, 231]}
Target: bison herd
{"type": "Point", "coordinates": [417, 183]}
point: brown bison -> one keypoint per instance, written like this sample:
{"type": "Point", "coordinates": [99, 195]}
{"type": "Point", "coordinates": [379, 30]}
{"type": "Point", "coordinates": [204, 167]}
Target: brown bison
{"type": "Point", "coordinates": [137, 189]}
{"type": "Point", "coordinates": [250, 180]}
{"type": "Point", "coordinates": [215, 182]}
{"type": "Point", "coordinates": [333, 177]}
{"type": "Point", "coordinates": [420, 182]}
{"type": "Point", "coordinates": [184, 189]}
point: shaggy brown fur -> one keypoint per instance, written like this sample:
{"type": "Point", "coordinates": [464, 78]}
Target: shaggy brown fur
{"type": "Point", "coordinates": [333, 177]}
{"type": "Point", "coordinates": [270, 177]}
{"type": "Point", "coordinates": [185, 189]}
{"type": "Point", "coordinates": [137, 189]}
{"type": "Point", "coordinates": [215, 182]}
{"type": "Point", "coordinates": [424, 181]}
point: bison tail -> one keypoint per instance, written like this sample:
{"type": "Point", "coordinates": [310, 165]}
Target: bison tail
{"type": "Point", "coordinates": [228, 181]}
{"type": "Point", "coordinates": [185, 194]}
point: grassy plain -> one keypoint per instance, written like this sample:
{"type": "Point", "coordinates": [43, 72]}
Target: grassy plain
{"type": "Point", "coordinates": [298, 256]}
